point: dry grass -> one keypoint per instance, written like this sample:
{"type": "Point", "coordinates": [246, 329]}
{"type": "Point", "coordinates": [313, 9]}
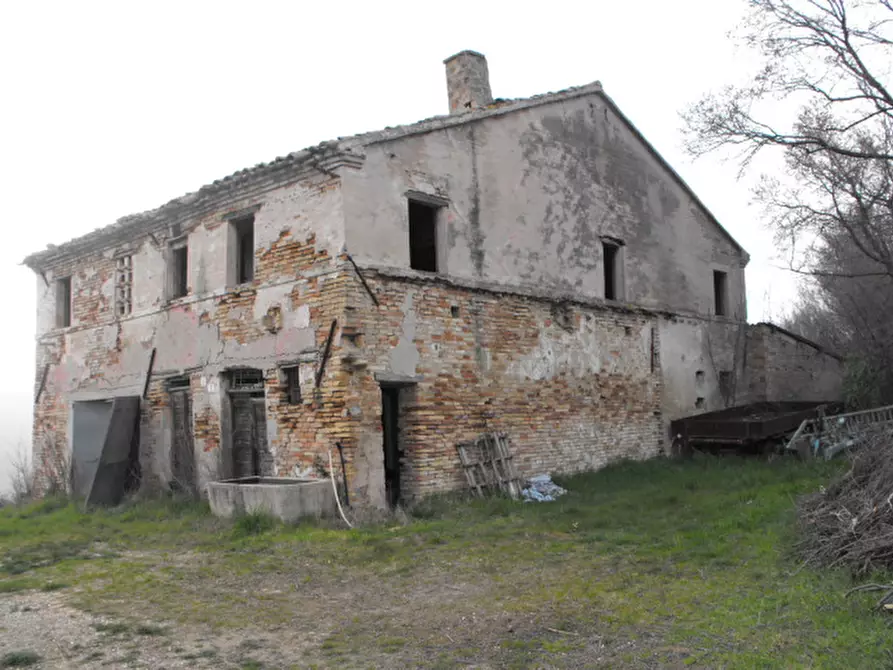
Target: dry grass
{"type": "Point", "coordinates": [640, 565]}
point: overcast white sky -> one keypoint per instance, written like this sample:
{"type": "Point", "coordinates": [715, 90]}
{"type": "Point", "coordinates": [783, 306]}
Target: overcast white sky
{"type": "Point", "coordinates": [110, 108]}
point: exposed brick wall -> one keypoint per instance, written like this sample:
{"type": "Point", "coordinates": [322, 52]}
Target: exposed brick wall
{"type": "Point", "coordinates": [90, 356]}
{"type": "Point", "coordinates": [571, 397]}
{"type": "Point", "coordinates": [305, 432]}
{"type": "Point", "coordinates": [89, 303]}
{"type": "Point", "coordinates": [574, 387]}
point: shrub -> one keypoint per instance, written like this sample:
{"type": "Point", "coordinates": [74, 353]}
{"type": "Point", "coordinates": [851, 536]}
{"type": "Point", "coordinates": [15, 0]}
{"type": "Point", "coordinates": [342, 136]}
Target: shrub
{"type": "Point", "coordinates": [19, 659]}
{"type": "Point", "coordinates": [253, 523]}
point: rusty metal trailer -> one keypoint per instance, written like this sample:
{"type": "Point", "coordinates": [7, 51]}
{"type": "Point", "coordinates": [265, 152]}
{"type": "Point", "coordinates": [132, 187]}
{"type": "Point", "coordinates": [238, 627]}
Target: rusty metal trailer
{"type": "Point", "coordinates": [746, 426]}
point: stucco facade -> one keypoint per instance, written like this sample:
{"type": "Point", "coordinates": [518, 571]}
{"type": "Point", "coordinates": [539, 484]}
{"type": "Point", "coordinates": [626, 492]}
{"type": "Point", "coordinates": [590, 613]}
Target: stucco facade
{"type": "Point", "coordinates": [515, 323]}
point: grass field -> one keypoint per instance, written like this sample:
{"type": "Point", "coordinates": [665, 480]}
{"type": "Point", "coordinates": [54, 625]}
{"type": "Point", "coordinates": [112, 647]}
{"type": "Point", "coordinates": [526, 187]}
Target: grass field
{"type": "Point", "coordinates": [658, 564]}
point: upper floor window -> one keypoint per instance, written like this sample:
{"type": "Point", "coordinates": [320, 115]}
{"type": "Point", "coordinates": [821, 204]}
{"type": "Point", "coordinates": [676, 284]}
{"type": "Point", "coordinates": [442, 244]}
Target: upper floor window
{"type": "Point", "coordinates": [124, 285]}
{"type": "Point", "coordinates": [422, 236]}
{"type": "Point", "coordinates": [63, 302]}
{"type": "Point", "coordinates": [242, 249]}
{"type": "Point", "coordinates": [612, 257]}
{"type": "Point", "coordinates": [178, 269]}
{"type": "Point", "coordinates": [720, 293]}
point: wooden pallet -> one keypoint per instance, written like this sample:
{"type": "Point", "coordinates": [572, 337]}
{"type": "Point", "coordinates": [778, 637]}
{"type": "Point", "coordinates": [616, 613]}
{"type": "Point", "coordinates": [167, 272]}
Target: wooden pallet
{"type": "Point", "coordinates": [488, 465]}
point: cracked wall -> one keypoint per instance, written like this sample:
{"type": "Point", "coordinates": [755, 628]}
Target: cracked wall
{"type": "Point", "coordinates": [574, 386]}
{"type": "Point", "coordinates": [281, 317]}
{"type": "Point", "coordinates": [577, 381]}
{"type": "Point", "coordinates": [530, 195]}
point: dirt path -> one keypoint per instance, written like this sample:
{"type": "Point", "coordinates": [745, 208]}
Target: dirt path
{"type": "Point", "coordinates": [64, 637]}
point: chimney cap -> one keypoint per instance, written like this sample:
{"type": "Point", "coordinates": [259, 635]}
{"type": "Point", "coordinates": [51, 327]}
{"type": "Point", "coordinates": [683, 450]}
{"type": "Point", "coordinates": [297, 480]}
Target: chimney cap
{"type": "Point", "coordinates": [465, 52]}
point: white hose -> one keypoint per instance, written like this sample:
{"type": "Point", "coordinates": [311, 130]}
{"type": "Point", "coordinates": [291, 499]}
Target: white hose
{"type": "Point", "coordinates": [335, 489]}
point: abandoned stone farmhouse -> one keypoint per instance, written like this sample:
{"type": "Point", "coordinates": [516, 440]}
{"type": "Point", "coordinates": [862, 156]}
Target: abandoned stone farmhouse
{"type": "Point", "coordinates": [530, 266]}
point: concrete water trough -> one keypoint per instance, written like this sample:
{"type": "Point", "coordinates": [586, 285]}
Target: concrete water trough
{"type": "Point", "coordinates": [285, 498]}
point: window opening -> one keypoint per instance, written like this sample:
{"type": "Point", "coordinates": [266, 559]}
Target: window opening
{"type": "Point", "coordinates": [63, 302]}
{"type": "Point", "coordinates": [611, 252]}
{"type": "Point", "coordinates": [422, 236]}
{"type": "Point", "coordinates": [178, 384]}
{"type": "Point", "coordinates": [720, 293]}
{"type": "Point", "coordinates": [293, 384]}
{"type": "Point", "coordinates": [179, 270]}
{"type": "Point", "coordinates": [247, 379]}
{"type": "Point", "coordinates": [244, 235]}
{"type": "Point", "coordinates": [124, 286]}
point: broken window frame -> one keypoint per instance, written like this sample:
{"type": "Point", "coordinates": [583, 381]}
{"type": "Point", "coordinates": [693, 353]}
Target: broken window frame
{"type": "Point", "coordinates": [123, 285]}
{"type": "Point", "coordinates": [63, 302]}
{"type": "Point", "coordinates": [246, 380]}
{"type": "Point", "coordinates": [178, 268]}
{"type": "Point", "coordinates": [180, 383]}
{"type": "Point", "coordinates": [424, 258]}
{"type": "Point", "coordinates": [720, 293]}
{"type": "Point", "coordinates": [613, 274]}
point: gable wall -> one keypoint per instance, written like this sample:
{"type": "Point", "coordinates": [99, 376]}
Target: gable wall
{"type": "Point", "coordinates": [530, 194]}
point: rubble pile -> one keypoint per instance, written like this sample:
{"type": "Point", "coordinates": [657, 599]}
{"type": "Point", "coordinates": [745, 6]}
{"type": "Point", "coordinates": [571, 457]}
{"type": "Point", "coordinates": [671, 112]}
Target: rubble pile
{"type": "Point", "coordinates": [541, 489]}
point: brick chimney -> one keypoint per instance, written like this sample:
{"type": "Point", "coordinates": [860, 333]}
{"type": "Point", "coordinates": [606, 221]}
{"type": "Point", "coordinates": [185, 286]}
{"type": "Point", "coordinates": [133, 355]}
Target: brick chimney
{"type": "Point", "coordinates": [468, 81]}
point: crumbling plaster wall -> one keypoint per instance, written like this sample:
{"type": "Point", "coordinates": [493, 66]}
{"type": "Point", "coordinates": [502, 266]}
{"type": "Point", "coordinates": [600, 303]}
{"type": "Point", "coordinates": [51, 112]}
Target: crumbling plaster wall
{"type": "Point", "coordinates": [531, 193]}
{"type": "Point", "coordinates": [280, 317]}
{"type": "Point", "coordinates": [783, 368]}
{"type": "Point", "coordinates": [574, 386]}
{"type": "Point", "coordinates": [694, 351]}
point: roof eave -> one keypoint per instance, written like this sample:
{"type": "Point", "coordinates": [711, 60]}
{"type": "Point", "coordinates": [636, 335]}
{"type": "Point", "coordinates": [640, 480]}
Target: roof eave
{"type": "Point", "coordinates": [207, 198]}
{"type": "Point", "coordinates": [799, 338]}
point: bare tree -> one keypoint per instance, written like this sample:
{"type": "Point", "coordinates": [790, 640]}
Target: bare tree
{"type": "Point", "coordinates": [852, 314]}
{"type": "Point", "coordinates": [21, 476]}
{"type": "Point", "coordinates": [831, 59]}
{"type": "Point", "coordinates": [829, 62]}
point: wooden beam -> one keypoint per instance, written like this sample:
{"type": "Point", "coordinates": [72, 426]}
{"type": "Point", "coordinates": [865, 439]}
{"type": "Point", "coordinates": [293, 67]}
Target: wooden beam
{"type": "Point", "coordinates": [363, 280]}
{"type": "Point", "coordinates": [149, 372]}
{"type": "Point", "coordinates": [43, 382]}
{"type": "Point", "coordinates": [325, 352]}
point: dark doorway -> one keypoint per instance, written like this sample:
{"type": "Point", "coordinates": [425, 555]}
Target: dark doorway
{"type": "Point", "coordinates": [390, 415]}
{"type": "Point", "coordinates": [182, 444]}
{"type": "Point", "coordinates": [251, 457]}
